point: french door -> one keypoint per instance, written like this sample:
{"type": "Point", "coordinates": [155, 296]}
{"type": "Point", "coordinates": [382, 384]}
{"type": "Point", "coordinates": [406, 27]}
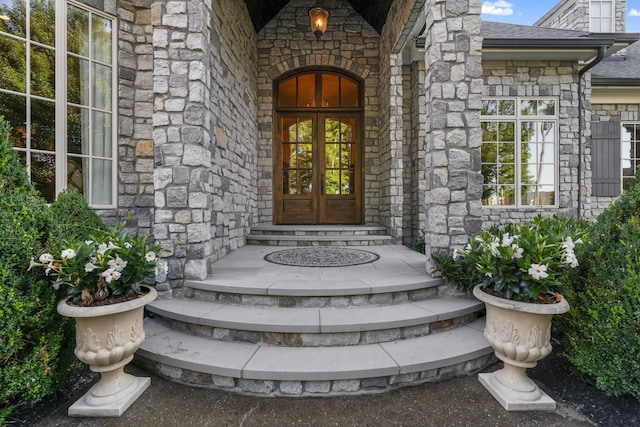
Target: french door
{"type": "Point", "coordinates": [319, 167]}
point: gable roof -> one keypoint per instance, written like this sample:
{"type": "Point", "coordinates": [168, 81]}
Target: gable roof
{"type": "Point", "coordinates": [619, 70]}
{"type": "Point", "coordinates": [373, 11]}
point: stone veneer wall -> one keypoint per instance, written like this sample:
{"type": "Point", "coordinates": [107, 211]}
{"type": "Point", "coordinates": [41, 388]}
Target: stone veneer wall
{"type": "Point", "coordinates": [134, 108]}
{"type": "Point", "coordinates": [541, 78]}
{"type": "Point", "coordinates": [414, 118]}
{"type": "Point", "coordinates": [350, 44]}
{"type": "Point", "coordinates": [605, 113]}
{"type": "Point", "coordinates": [204, 129]}
{"type": "Point", "coordinates": [453, 85]}
{"type": "Point", "coordinates": [574, 15]}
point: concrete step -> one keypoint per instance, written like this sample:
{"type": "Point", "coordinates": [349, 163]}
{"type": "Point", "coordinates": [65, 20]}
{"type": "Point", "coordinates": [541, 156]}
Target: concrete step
{"type": "Point", "coordinates": [272, 370]}
{"type": "Point", "coordinates": [318, 235]}
{"type": "Point", "coordinates": [316, 326]}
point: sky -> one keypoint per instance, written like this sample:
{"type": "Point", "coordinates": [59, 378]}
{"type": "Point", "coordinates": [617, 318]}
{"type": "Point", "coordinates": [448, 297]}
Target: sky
{"type": "Point", "coordinates": [527, 12]}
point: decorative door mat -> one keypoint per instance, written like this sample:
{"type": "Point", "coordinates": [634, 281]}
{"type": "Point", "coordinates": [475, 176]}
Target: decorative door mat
{"type": "Point", "coordinates": [321, 256]}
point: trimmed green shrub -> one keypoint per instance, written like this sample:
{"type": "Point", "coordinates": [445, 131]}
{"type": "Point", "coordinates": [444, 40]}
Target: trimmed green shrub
{"type": "Point", "coordinates": [602, 329]}
{"type": "Point", "coordinates": [36, 344]}
{"type": "Point", "coordinates": [73, 216]}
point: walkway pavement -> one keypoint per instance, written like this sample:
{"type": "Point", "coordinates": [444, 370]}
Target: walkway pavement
{"type": "Point", "coordinates": [456, 402]}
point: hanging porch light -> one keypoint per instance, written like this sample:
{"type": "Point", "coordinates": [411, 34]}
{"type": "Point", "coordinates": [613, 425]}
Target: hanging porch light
{"type": "Point", "coordinates": [318, 17]}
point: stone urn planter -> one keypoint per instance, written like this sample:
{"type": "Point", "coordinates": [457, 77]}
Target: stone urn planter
{"type": "Point", "coordinates": [106, 338]}
{"type": "Point", "coordinates": [520, 335]}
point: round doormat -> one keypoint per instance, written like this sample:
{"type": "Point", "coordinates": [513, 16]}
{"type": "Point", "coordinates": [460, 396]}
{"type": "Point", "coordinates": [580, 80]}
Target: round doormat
{"type": "Point", "coordinates": [321, 256]}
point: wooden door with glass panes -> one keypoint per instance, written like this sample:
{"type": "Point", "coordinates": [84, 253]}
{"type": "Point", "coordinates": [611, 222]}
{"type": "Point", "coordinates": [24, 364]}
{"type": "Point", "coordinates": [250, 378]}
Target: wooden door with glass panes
{"type": "Point", "coordinates": [318, 149]}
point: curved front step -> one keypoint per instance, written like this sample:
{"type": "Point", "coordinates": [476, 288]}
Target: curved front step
{"type": "Point", "coordinates": [272, 370]}
{"type": "Point", "coordinates": [316, 326]}
{"type": "Point", "coordinates": [318, 235]}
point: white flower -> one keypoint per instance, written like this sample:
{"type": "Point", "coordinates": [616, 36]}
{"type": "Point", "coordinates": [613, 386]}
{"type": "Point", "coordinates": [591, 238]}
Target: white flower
{"type": "Point", "coordinates": [150, 256]}
{"type": "Point", "coordinates": [494, 248]}
{"type": "Point", "coordinates": [102, 248]}
{"type": "Point", "coordinates": [88, 242]}
{"type": "Point", "coordinates": [110, 275]}
{"type": "Point", "coordinates": [112, 246]}
{"type": "Point", "coordinates": [127, 245]}
{"type": "Point", "coordinates": [538, 271]}
{"type": "Point", "coordinates": [571, 259]}
{"type": "Point", "coordinates": [89, 267]}
{"type": "Point", "coordinates": [517, 252]}
{"type": "Point", "coordinates": [68, 254]}
{"type": "Point", "coordinates": [507, 240]}
{"type": "Point", "coordinates": [32, 264]}
{"type": "Point", "coordinates": [579, 242]}
{"type": "Point", "coordinates": [456, 255]}
{"type": "Point", "coordinates": [46, 258]}
{"type": "Point", "coordinates": [569, 244]}
{"type": "Point", "coordinates": [48, 269]}
{"type": "Point", "coordinates": [117, 264]}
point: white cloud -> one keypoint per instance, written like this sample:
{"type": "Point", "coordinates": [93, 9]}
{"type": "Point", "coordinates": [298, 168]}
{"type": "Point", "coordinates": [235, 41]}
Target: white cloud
{"type": "Point", "coordinates": [632, 12]}
{"type": "Point", "coordinates": [500, 7]}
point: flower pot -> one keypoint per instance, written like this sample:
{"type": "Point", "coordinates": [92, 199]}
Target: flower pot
{"type": "Point", "coordinates": [520, 335]}
{"type": "Point", "coordinates": [106, 338]}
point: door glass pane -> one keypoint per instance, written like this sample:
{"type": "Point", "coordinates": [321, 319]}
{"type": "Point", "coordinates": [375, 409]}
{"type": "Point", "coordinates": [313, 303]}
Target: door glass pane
{"type": "Point", "coordinates": [43, 20]}
{"type": "Point", "coordinates": [332, 182]}
{"type": "Point", "coordinates": [332, 156]}
{"type": "Point", "coordinates": [77, 31]}
{"type": "Point", "coordinates": [346, 186]}
{"type": "Point", "coordinates": [102, 87]}
{"type": "Point", "coordinates": [305, 130]}
{"type": "Point", "coordinates": [330, 90]}
{"type": "Point", "coordinates": [348, 93]}
{"type": "Point", "coordinates": [290, 181]}
{"type": "Point", "coordinates": [77, 80]}
{"type": "Point", "coordinates": [287, 93]}
{"type": "Point", "coordinates": [78, 130]}
{"type": "Point", "coordinates": [101, 182]}
{"type": "Point", "coordinates": [14, 110]}
{"type": "Point", "coordinates": [305, 181]}
{"type": "Point", "coordinates": [307, 90]}
{"type": "Point", "coordinates": [304, 156]}
{"type": "Point", "coordinates": [345, 156]}
{"type": "Point", "coordinates": [43, 174]}
{"type": "Point", "coordinates": [12, 17]}
{"type": "Point", "coordinates": [77, 173]}
{"type": "Point", "coordinates": [43, 72]}
{"type": "Point", "coordinates": [43, 125]}
{"type": "Point", "coordinates": [13, 64]}
{"type": "Point", "coordinates": [101, 134]}
{"type": "Point", "coordinates": [332, 130]}
{"type": "Point", "coordinates": [101, 38]}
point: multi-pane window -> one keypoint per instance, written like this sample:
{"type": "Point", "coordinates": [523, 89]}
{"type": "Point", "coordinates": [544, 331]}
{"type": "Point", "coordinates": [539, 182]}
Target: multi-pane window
{"type": "Point", "coordinates": [519, 151]}
{"type": "Point", "coordinates": [601, 16]}
{"type": "Point", "coordinates": [56, 91]}
{"type": "Point", "coordinates": [630, 152]}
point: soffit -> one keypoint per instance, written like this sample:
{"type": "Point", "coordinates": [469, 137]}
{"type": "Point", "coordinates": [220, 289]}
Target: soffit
{"type": "Point", "coordinates": [373, 11]}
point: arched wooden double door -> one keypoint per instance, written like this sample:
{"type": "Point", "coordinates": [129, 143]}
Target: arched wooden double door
{"type": "Point", "coordinates": [318, 149]}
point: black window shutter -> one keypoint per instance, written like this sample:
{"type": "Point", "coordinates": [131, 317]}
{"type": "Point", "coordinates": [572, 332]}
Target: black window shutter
{"type": "Point", "coordinates": [605, 159]}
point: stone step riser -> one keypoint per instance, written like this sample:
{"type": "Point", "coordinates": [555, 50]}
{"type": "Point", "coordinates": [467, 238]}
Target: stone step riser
{"type": "Point", "coordinates": [321, 339]}
{"type": "Point", "coordinates": [436, 290]}
{"type": "Point", "coordinates": [301, 388]}
{"type": "Point", "coordinates": [314, 241]}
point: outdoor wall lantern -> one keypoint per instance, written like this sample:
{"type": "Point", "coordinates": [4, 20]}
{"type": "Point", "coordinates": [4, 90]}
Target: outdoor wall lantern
{"type": "Point", "coordinates": [318, 17]}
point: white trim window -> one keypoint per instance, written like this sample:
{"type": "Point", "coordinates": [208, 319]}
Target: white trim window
{"type": "Point", "coordinates": [519, 151]}
{"type": "Point", "coordinates": [601, 14]}
{"type": "Point", "coordinates": [630, 152]}
{"type": "Point", "coordinates": [57, 80]}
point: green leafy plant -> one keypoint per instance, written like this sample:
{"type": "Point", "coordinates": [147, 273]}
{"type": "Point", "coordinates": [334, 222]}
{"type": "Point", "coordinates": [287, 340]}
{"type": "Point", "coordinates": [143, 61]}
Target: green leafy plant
{"type": "Point", "coordinates": [602, 329]}
{"type": "Point", "coordinates": [517, 261]}
{"type": "Point", "coordinates": [36, 344]}
{"type": "Point", "coordinates": [419, 243]}
{"type": "Point", "coordinates": [111, 263]}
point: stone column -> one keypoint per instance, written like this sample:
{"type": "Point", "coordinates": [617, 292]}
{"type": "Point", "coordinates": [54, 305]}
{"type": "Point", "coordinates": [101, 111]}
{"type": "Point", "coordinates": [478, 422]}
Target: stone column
{"type": "Point", "coordinates": [453, 95]}
{"type": "Point", "coordinates": [181, 133]}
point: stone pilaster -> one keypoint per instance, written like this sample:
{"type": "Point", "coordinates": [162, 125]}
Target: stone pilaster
{"type": "Point", "coordinates": [453, 95]}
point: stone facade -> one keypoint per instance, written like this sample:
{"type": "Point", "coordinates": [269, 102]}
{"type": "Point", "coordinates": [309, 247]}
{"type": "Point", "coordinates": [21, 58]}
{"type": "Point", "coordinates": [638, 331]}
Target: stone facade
{"type": "Point", "coordinates": [574, 15]}
{"type": "Point", "coordinates": [454, 86]}
{"type": "Point", "coordinates": [195, 119]}
{"type": "Point", "coordinates": [204, 129]}
{"type": "Point", "coordinates": [286, 44]}
{"type": "Point", "coordinates": [541, 78]}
